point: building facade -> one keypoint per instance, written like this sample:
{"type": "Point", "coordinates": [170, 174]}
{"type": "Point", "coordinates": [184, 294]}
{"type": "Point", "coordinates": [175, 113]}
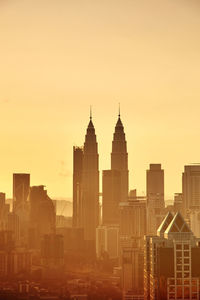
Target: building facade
{"type": "Point", "coordinates": [172, 261]}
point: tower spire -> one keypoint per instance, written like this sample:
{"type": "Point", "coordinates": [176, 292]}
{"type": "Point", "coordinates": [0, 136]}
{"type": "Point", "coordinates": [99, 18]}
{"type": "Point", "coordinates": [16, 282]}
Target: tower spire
{"type": "Point", "coordinates": [119, 110]}
{"type": "Point", "coordinates": [90, 112]}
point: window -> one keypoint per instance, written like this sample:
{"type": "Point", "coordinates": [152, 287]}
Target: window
{"type": "Point", "coordinates": [179, 292]}
{"type": "Point", "coordinates": [179, 274]}
{"type": "Point", "coordinates": [186, 254]}
{"type": "Point", "coordinates": [186, 247]}
{"type": "Point", "coordinates": [178, 246]}
{"type": "Point", "coordinates": [186, 268]}
{"type": "Point", "coordinates": [179, 281]}
{"type": "Point", "coordinates": [186, 260]}
{"type": "Point", "coordinates": [179, 260]}
{"type": "Point", "coordinates": [186, 274]}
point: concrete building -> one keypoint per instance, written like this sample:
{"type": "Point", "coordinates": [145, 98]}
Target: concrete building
{"type": "Point", "coordinates": [111, 196]}
{"type": "Point", "coordinates": [132, 273]}
{"type": "Point", "coordinates": [42, 218]}
{"type": "Point", "coordinates": [172, 261]}
{"type": "Point", "coordinates": [77, 180]}
{"type": "Point", "coordinates": [4, 211]}
{"type": "Point", "coordinates": [155, 197]}
{"type": "Point", "coordinates": [191, 188]}
{"type": "Point", "coordinates": [107, 241]}
{"type": "Point", "coordinates": [21, 185]}
{"type": "Point", "coordinates": [133, 220]}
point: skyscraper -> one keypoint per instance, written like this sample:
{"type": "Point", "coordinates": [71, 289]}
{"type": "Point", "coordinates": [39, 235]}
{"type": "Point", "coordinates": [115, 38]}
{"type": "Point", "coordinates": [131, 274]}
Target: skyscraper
{"type": "Point", "coordinates": [77, 178]}
{"type": "Point", "coordinates": [119, 157]}
{"type": "Point", "coordinates": [191, 188]}
{"type": "Point", "coordinates": [21, 185]}
{"type": "Point", "coordinates": [90, 186]}
{"type": "Point", "coordinates": [42, 215]}
{"type": "Point", "coordinates": [111, 196]}
{"type": "Point", "coordinates": [155, 197]}
{"type": "Point", "coordinates": [171, 261]}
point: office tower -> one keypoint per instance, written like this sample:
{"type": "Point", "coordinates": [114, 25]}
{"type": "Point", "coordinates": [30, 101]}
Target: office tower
{"type": "Point", "coordinates": [132, 273]}
{"type": "Point", "coordinates": [119, 157]}
{"type": "Point", "coordinates": [155, 197]}
{"type": "Point", "coordinates": [111, 197]}
{"type": "Point", "coordinates": [194, 221]}
{"type": "Point", "coordinates": [90, 187]}
{"type": "Point", "coordinates": [13, 225]}
{"type": "Point", "coordinates": [191, 188]}
{"type": "Point", "coordinates": [42, 215]}
{"type": "Point", "coordinates": [171, 261]}
{"type": "Point", "coordinates": [178, 202]}
{"type": "Point", "coordinates": [77, 177]}
{"type": "Point", "coordinates": [73, 238]}
{"type": "Point", "coordinates": [52, 250]}
{"type": "Point", "coordinates": [133, 221]}
{"type": "Point", "coordinates": [21, 185]}
{"type": "Point", "coordinates": [107, 241]}
{"type": "Point", "coordinates": [4, 210]}
{"type": "Point", "coordinates": [15, 262]}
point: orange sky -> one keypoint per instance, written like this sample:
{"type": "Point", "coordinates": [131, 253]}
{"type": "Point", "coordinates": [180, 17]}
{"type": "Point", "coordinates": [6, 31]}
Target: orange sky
{"type": "Point", "coordinates": [59, 56]}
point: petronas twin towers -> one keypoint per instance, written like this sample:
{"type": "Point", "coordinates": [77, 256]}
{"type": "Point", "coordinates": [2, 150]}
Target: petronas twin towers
{"type": "Point", "coordinates": [86, 209]}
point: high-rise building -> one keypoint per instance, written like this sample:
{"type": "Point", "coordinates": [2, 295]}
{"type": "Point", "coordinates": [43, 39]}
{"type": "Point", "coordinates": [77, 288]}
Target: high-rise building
{"type": "Point", "coordinates": [119, 157]}
{"type": "Point", "coordinates": [89, 216]}
{"type": "Point", "coordinates": [21, 185]}
{"type": "Point", "coordinates": [133, 221]}
{"type": "Point", "coordinates": [107, 241]}
{"type": "Point", "coordinates": [191, 188]}
{"type": "Point", "coordinates": [77, 178]}
{"type": "Point", "coordinates": [13, 225]}
{"type": "Point", "coordinates": [4, 210]}
{"type": "Point", "coordinates": [42, 215]}
{"type": "Point", "coordinates": [111, 197]}
{"type": "Point", "coordinates": [132, 273]}
{"type": "Point", "coordinates": [155, 197]}
{"type": "Point", "coordinates": [171, 261]}
{"type": "Point", "coordinates": [52, 250]}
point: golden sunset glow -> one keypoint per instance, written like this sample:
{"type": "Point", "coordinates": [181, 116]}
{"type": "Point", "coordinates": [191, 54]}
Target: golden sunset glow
{"type": "Point", "coordinates": [59, 57]}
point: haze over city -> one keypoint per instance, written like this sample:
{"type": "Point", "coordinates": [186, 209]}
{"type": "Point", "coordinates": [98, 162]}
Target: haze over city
{"type": "Point", "coordinates": [59, 57]}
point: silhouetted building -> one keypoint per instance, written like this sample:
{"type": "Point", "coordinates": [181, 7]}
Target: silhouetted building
{"type": "Point", "coordinates": [52, 250]}
{"type": "Point", "coordinates": [155, 197]}
{"type": "Point", "coordinates": [73, 239]}
{"type": "Point", "coordinates": [21, 185]}
{"type": "Point", "coordinates": [194, 220]}
{"type": "Point", "coordinates": [107, 241]}
{"type": "Point", "coordinates": [111, 197]}
{"type": "Point", "coordinates": [132, 272]}
{"type": "Point", "coordinates": [7, 242]}
{"type": "Point", "coordinates": [89, 216]}
{"type": "Point", "coordinates": [191, 188]}
{"type": "Point", "coordinates": [171, 261]}
{"type": "Point", "coordinates": [77, 179]}
{"type": "Point", "coordinates": [15, 262]}
{"type": "Point", "coordinates": [119, 157]}
{"type": "Point", "coordinates": [42, 215]}
{"type": "Point", "coordinates": [178, 203]}
{"type": "Point", "coordinates": [13, 224]}
{"type": "Point", "coordinates": [133, 220]}
{"type": "Point", "coordinates": [4, 210]}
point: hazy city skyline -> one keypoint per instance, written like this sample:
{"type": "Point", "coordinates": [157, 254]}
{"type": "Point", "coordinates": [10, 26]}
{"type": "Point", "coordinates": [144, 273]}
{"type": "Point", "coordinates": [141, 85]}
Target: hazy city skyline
{"type": "Point", "coordinates": [58, 57]}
